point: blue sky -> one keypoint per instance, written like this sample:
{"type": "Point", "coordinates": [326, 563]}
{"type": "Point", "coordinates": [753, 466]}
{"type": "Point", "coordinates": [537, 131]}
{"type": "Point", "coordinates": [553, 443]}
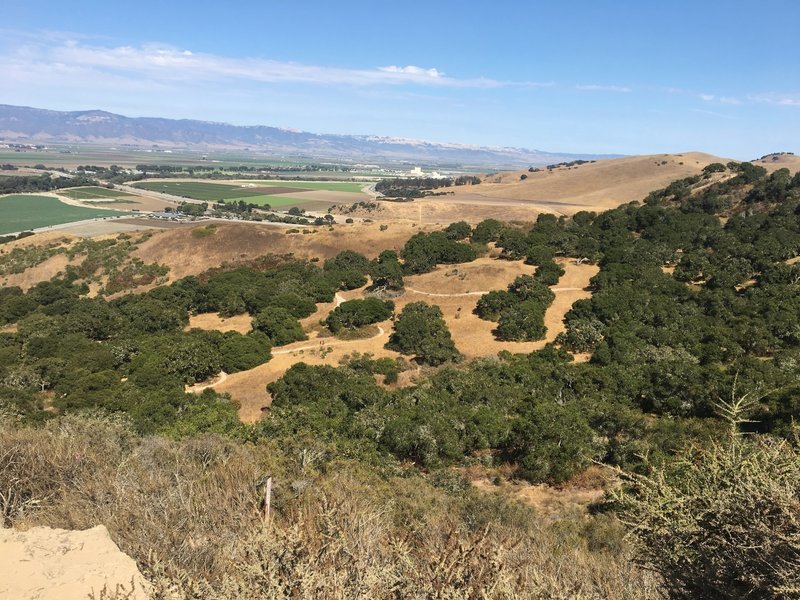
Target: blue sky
{"type": "Point", "coordinates": [607, 77]}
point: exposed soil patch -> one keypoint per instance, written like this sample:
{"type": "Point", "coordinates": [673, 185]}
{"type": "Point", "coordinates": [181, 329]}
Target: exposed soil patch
{"type": "Point", "coordinates": [549, 502]}
{"type": "Point", "coordinates": [58, 564]}
{"type": "Point", "coordinates": [41, 272]}
{"type": "Point", "coordinates": [212, 321]}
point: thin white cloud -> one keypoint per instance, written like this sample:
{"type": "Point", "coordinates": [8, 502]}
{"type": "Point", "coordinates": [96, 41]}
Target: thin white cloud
{"type": "Point", "coordinates": [731, 100]}
{"type": "Point", "coordinates": [435, 73]}
{"type": "Point", "coordinates": [712, 113]}
{"type": "Point", "coordinates": [168, 64]}
{"type": "Point", "coordinates": [776, 99]}
{"type": "Point", "coordinates": [591, 87]}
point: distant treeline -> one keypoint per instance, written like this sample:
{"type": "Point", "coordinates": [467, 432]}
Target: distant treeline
{"type": "Point", "coordinates": [567, 165]}
{"type": "Point", "coordinates": [15, 184]}
{"type": "Point", "coordinates": [416, 187]}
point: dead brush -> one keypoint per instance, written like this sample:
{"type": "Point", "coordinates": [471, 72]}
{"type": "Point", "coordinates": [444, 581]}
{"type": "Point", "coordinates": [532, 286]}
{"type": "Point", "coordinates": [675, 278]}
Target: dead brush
{"type": "Point", "coordinates": [189, 513]}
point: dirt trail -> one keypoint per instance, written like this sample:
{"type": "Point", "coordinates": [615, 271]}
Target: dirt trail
{"type": "Point", "coordinates": [204, 385]}
{"type": "Point", "coordinates": [325, 345]}
{"type": "Point", "coordinates": [413, 291]}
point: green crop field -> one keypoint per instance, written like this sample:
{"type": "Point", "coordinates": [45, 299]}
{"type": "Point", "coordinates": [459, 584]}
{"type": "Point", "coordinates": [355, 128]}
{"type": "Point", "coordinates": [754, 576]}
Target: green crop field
{"type": "Point", "coordinates": [333, 186]}
{"type": "Point", "coordinates": [92, 193]}
{"type": "Point", "coordinates": [197, 190]}
{"type": "Point", "coordinates": [23, 212]}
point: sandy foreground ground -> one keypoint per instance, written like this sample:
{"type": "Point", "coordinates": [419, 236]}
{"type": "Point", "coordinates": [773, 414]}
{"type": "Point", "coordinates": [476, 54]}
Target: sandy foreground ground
{"type": "Point", "coordinates": [59, 564]}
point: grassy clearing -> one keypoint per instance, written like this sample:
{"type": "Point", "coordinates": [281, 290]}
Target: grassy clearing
{"type": "Point", "coordinates": [197, 190]}
{"type": "Point", "coordinates": [22, 212]}
{"type": "Point", "coordinates": [92, 193]}
{"type": "Point", "coordinates": [333, 186]}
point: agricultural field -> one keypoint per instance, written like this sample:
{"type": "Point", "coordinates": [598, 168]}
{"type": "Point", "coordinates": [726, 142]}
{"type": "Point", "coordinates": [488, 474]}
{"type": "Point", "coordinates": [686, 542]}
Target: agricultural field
{"type": "Point", "coordinates": [314, 195]}
{"type": "Point", "coordinates": [94, 193]}
{"type": "Point", "coordinates": [23, 212]}
{"type": "Point", "coordinates": [331, 186]}
{"type": "Point", "coordinates": [197, 190]}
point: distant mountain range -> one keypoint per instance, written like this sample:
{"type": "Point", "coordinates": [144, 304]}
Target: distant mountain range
{"type": "Point", "coordinates": [20, 124]}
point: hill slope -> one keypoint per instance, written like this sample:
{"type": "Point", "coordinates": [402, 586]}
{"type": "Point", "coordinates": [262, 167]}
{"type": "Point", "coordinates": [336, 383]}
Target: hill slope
{"type": "Point", "coordinates": [591, 186]}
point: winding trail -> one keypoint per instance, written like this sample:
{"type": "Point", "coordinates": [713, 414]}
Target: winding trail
{"type": "Point", "coordinates": [555, 289]}
{"type": "Point", "coordinates": [209, 383]}
{"type": "Point", "coordinates": [412, 290]}
{"type": "Point", "coordinates": [322, 344]}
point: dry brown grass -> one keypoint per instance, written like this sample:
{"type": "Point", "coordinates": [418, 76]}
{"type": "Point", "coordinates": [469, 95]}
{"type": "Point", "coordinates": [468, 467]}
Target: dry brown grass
{"type": "Point", "coordinates": [594, 186]}
{"type": "Point", "coordinates": [189, 513]}
{"type": "Point", "coordinates": [212, 321]}
{"type": "Point", "coordinates": [232, 242]}
{"type": "Point", "coordinates": [780, 161]}
{"type": "Point", "coordinates": [44, 271]}
{"type": "Point", "coordinates": [573, 497]}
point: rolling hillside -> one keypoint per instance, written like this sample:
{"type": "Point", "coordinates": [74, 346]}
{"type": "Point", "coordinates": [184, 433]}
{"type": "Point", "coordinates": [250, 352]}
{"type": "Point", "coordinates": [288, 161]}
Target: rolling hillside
{"type": "Point", "coordinates": [591, 186]}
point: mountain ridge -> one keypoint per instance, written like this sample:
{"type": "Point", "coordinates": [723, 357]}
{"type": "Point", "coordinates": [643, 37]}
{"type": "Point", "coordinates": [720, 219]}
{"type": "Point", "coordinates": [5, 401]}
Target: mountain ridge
{"type": "Point", "coordinates": [22, 124]}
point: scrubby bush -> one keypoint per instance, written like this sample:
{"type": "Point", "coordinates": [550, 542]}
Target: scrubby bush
{"type": "Point", "coordinates": [280, 326]}
{"type": "Point", "coordinates": [549, 272]}
{"type": "Point", "coordinates": [386, 272]}
{"type": "Point", "coordinates": [491, 305]}
{"type": "Point", "coordinates": [420, 330]}
{"type": "Point", "coordinates": [522, 322]}
{"type": "Point", "coordinates": [721, 521]}
{"type": "Point", "coordinates": [357, 313]}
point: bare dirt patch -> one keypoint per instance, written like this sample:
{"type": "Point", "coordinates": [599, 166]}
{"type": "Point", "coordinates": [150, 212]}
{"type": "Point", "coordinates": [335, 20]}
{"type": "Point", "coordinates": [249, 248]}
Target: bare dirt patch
{"type": "Point", "coordinates": [57, 564]}
{"type": "Point", "coordinates": [549, 502]}
{"type": "Point", "coordinates": [115, 226]}
{"type": "Point", "coordinates": [41, 272]}
{"type": "Point", "coordinates": [132, 203]}
{"type": "Point", "coordinates": [212, 321]}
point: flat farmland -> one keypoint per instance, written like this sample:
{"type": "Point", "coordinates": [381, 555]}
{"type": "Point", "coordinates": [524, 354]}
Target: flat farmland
{"type": "Point", "coordinates": [21, 212]}
{"type": "Point", "coordinates": [331, 186]}
{"type": "Point", "coordinates": [314, 194]}
{"type": "Point", "coordinates": [199, 190]}
{"type": "Point", "coordinates": [93, 193]}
